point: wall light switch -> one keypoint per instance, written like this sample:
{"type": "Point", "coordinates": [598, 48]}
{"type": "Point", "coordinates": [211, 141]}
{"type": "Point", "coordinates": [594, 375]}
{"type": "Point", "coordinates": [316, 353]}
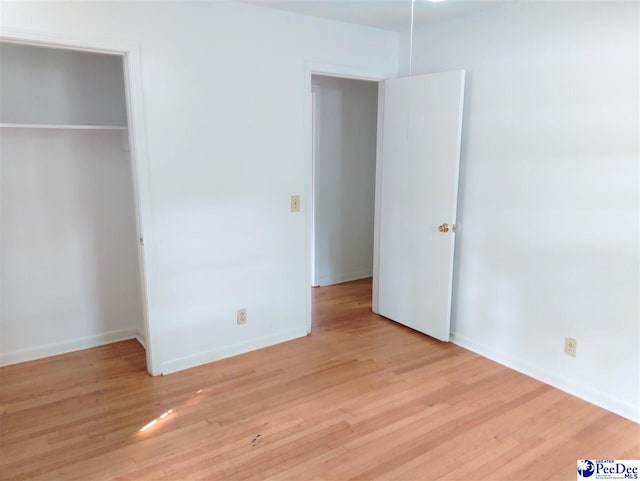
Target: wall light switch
{"type": "Point", "coordinates": [295, 203]}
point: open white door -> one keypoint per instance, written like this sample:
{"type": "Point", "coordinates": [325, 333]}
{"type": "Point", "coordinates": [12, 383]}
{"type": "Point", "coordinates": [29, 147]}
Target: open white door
{"type": "Point", "coordinates": [421, 134]}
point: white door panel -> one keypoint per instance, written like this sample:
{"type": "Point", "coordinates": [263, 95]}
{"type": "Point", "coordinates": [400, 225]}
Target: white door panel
{"type": "Point", "coordinates": [418, 192]}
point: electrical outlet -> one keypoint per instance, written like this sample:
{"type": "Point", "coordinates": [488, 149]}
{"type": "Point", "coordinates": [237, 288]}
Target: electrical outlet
{"type": "Point", "coordinates": [295, 203]}
{"type": "Point", "coordinates": [241, 316]}
{"type": "Point", "coordinates": [570, 345]}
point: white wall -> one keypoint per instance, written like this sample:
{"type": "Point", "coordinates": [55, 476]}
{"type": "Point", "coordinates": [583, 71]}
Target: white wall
{"type": "Point", "coordinates": [60, 86]}
{"type": "Point", "coordinates": [549, 190]}
{"type": "Point", "coordinates": [69, 255]}
{"type": "Point", "coordinates": [224, 92]}
{"type": "Point", "coordinates": [346, 113]}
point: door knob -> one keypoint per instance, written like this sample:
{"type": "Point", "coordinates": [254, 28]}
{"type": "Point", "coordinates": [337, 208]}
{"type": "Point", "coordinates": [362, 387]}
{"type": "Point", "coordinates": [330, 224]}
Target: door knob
{"type": "Point", "coordinates": [447, 228]}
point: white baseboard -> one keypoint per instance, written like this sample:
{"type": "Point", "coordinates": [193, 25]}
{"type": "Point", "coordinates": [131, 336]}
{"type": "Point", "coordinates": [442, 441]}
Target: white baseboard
{"type": "Point", "coordinates": [344, 277]}
{"type": "Point", "coordinates": [594, 396]}
{"type": "Point", "coordinates": [141, 338]}
{"type": "Point", "coordinates": [204, 357]}
{"type": "Point", "coordinates": [24, 355]}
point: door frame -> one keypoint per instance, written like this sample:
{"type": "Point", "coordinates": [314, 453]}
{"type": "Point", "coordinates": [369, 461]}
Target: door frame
{"type": "Point", "coordinates": [129, 50]}
{"type": "Point", "coordinates": [348, 72]}
{"type": "Point", "coordinates": [315, 142]}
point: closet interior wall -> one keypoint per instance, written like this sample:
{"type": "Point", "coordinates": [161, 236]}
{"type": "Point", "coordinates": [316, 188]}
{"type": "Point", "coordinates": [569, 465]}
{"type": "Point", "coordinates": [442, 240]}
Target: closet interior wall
{"type": "Point", "coordinates": [70, 275]}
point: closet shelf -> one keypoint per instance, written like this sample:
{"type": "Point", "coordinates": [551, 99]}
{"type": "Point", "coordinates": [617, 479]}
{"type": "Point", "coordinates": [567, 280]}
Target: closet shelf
{"type": "Point", "coordinates": [63, 126]}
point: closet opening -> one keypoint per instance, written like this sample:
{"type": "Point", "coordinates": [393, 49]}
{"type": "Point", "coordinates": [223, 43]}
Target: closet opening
{"type": "Point", "coordinates": [72, 268]}
{"type": "Point", "coordinates": [344, 115]}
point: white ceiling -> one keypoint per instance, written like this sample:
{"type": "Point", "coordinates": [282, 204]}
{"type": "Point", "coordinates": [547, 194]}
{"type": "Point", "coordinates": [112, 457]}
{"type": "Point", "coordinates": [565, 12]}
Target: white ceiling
{"type": "Point", "coordinates": [385, 14]}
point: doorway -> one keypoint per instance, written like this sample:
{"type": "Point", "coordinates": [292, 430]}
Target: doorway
{"type": "Point", "coordinates": [117, 150]}
{"type": "Point", "coordinates": [415, 197]}
{"type": "Point", "coordinates": [344, 114]}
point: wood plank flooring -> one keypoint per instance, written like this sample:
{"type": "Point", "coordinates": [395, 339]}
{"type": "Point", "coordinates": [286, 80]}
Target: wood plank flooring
{"type": "Point", "coordinates": [361, 398]}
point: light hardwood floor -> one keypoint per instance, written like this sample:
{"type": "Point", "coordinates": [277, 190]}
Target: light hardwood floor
{"type": "Point", "coordinates": [361, 398]}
